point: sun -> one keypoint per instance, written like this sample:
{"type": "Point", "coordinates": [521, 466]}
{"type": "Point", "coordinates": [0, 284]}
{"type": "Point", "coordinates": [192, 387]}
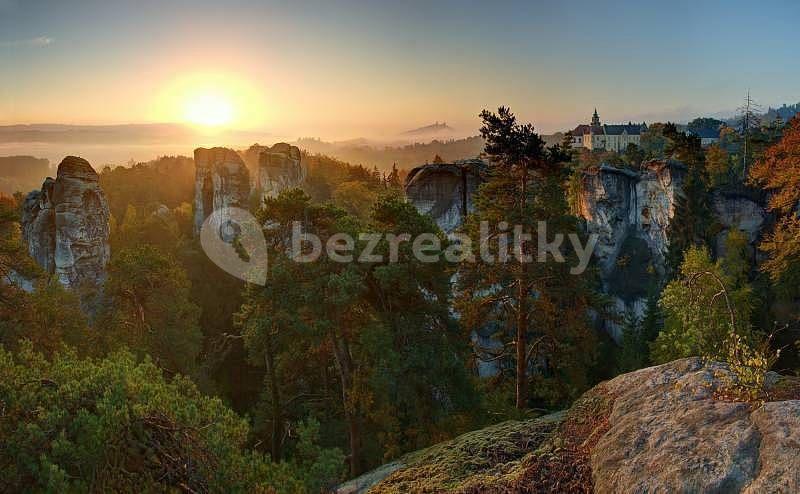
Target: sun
{"type": "Point", "coordinates": [208, 109]}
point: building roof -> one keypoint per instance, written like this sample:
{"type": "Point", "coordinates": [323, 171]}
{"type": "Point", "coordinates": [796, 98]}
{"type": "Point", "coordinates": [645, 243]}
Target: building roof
{"type": "Point", "coordinates": [706, 133]}
{"type": "Point", "coordinates": [630, 129]}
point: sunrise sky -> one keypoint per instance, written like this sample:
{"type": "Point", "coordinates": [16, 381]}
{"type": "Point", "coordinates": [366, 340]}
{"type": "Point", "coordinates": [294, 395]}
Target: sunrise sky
{"type": "Point", "coordinates": [344, 69]}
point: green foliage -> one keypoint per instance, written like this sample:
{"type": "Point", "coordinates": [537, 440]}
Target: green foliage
{"type": "Point", "coordinates": [168, 180]}
{"type": "Point", "coordinates": [546, 321]}
{"type": "Point", "coordinates": [114, 425]}
{"type": "Point", "coordinates": [693, 222]}
{"type": "Point", "coordinates": [637, 336]}
{"type": "Point", "coordinates": [653, 141]}
{"type": "Point", "coordinates": [48, 317]}
{"type": "Point", "coordinates": [354, 197]}
{"type": "Point", "coordinates": [381, 328]}
{"type": "Point", "coordinates": [701, 307]}
{"type": "Point", "coordinates": [148, 309]}
{"type": "Point", "coordinates": [749, 363]}
{"type": "Point", "coordinates": [326, 175]}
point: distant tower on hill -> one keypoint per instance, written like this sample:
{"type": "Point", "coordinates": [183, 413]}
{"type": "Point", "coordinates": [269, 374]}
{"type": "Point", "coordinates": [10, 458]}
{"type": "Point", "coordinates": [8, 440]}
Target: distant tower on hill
{"type": "Point", "coordinates": [595, 118]}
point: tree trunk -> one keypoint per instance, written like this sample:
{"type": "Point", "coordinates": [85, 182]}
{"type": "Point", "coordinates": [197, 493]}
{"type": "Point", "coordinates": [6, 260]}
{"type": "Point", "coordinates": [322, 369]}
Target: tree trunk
{"type": "Point", "coordinates": [277, 415]}
{"type": "Point", "coordinates": [522, 306]}
{"type": "Point", "coordinates": [521, 344]}
{"type": "Point", "coordinates": [344, 363]}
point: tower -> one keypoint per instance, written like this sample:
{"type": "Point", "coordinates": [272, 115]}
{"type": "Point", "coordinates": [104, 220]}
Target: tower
{"type": "Point", "coordinates": [595, 119]}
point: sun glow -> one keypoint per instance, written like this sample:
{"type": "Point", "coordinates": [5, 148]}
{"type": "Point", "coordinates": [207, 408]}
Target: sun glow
{"type": "Point", "coordinates": [212, 102]}
{"type": "Point", "coordinates": [208, 109]}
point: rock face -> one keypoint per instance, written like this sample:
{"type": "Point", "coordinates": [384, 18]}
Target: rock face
{"type": "Point", "coordinates": [630, 213]}
{"type": "Point", "coordinates": [279, 168]}
{"type": "Point", "coordinates": [445, 191]}
{"type": "Point", "coordinates": [660, 429]}
{"type": "Point", "coordinates": [740, 213]}
{"type": "Point", "coordinates": [221, 180]}
{"type": "Point", "coordinates": [619, 203]}
{"type": "Point", "coordinates": [667, 432]}
{"type": "Point", "coordinates": [65, 224]}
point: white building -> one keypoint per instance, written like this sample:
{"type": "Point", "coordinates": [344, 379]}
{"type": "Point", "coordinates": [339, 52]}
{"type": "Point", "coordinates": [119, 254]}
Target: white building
{"type": "Point", "coordinates": [597, 136]}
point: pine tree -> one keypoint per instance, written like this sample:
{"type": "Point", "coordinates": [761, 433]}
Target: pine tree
{"type": "Point", "coordinates": [693, 220]}
{"type": "Point", "coordinates": [543, 305]}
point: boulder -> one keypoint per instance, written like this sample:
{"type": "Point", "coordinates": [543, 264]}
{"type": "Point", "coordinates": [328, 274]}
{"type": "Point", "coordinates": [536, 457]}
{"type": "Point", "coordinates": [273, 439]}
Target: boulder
{"type": "Point", "coordinates": [445, 191]}
{"type": "Point", "coordinates": [65, 224]}
{"type": "Point", "coordinates": [221, 180]}
{"type": "Point", "coordinates": [661, 429]}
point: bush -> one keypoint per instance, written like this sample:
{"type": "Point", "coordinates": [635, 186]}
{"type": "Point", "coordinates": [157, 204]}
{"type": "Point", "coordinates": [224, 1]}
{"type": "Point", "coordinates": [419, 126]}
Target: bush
{"type": "Point", "coordinates": [115, 425]}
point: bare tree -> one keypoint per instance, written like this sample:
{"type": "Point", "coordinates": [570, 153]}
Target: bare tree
{"type": "Point", "coordinates": [748, 118]}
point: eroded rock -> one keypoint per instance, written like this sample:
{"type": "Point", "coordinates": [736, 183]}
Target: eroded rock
{"type": "Point", "coordinates": [668, 432]}
{"type": "Point", "coordinates": [221, 180]}
{"type": "Point", "coordinates": [445, 191]}
{"type": "Point", "coordinates": [65, 224]}
{"type": "Point", "coordinates": [630, 213]}
{"type": "Point", "coordinates": [660, 429]}
{"type": "Point", "coordinates": [734, 212]}
{"type": "Point", "coordinates": [280, 168]}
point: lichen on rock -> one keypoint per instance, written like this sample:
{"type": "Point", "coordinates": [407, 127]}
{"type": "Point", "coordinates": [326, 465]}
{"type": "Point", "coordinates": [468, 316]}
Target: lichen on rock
{"type": "Point", "coordinates": [659, 429]}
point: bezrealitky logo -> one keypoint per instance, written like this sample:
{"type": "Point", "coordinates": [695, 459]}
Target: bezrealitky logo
{"type": "Point", "coordinates": [233, 239]}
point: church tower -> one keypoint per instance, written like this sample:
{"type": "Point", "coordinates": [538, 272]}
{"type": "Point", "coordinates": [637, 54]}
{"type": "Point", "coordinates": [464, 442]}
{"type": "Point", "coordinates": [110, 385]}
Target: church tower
{"type": "Point", "coordinates": [595, 119]}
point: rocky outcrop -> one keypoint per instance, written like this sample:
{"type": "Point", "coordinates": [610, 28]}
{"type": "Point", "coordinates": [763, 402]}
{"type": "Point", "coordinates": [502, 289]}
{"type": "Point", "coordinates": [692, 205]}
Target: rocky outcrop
{"type": "Point", "coordinates": [221, 180]}
{"type": "Point", "coordinates": [630, 213]}
{"type": "Point", "coordinates": [279, 168]}
{"type": "Point", "coordinates": [65, 224]}
{"type": "Point", "coordinates": [618, 203]}
{"type": "Point", "coordinates": [445, 191]}
{"type": "Point", "coordinates": [660, 429]}
{"type": "Point", "coordinates": [737, 212]}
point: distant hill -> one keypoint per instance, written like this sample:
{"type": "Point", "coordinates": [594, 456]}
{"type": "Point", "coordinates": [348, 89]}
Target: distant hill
{"type": "Point", "coordinates": [22, 173]}
{"type": "Point", "coordinates": [407, 156]}
{"type": "Point", "coordinates": [371, 154]}
{"type": "Point", "coordinates": [434, 128]}
{"type": "Point", "coordinates": [112, 134]}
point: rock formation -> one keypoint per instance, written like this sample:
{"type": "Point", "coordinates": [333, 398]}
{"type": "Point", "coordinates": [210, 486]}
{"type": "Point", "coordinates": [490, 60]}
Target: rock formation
{"type": "Point", "coordinates": [221, 180]}
{"type": "Point", "coordinates": [279, 168]}
{"type": "Point", "coordinates": [630, 212]}
{"type": "Point", "coordinates": [273, 169]}
{"type": "Point", "coordinates": [660, 429]}
{"type": "Point", "coordinates": [445, 191]}
{"type": "Point", "coordinates": [65, 224]}
{"type": "Point", "coordinates": [741, 213]}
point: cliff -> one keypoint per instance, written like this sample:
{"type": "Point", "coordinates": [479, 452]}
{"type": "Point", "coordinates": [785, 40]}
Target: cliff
{"type": "Point", "coordinates": [629, 211]}
{"type": "Point", "coordinates": [221, 180]}
{"type": "Point", "coordinates": [660, 429]}
{"type": "Point", "coordinates": [445, 191]}
{"type": "Point", "coordinates": [65, 224]}
{"type": "Point", "coordinates": [279, 168]}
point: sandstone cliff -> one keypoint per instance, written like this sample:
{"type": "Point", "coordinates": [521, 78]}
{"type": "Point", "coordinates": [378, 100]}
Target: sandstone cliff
{"type": "Point", "coordinates": [221, 180]}
{"type": "Point", "coordinates": [65, 224]}
{"type": "Point", "coordinates": [660, 429]}
{"type": "Point", "coordinates": [279, 168]}
{"type": "Point", "coordinates": [445, 191]}
{"type": "Point", "coordinates": [630, 213]}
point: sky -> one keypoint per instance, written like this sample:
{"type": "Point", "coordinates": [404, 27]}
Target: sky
{"type": "Point", "coordinates": [342, 69]}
